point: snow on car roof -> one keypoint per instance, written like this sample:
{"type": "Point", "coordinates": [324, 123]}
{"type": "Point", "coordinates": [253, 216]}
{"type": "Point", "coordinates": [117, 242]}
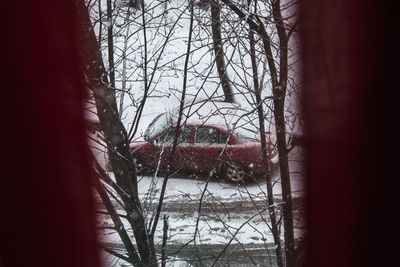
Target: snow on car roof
{"type": "Point", "coordinates": [222, 114]}
{"type": "Point", "coordinates": [228, 115]}
{"type": "Point", "coordinates": [199, 113]}
{"type": "Point", "coordinates": [210, 112]}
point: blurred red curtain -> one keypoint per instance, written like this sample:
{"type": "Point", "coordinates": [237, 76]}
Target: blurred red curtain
{"type": "Point", "coordinates": [349, 70]}
{"type": "Point", "coordinates": [46, 201]}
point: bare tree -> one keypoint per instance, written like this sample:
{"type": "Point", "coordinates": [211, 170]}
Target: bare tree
{"type": "Point", "coordinates": [117, 138]}
{"type": "Point", "coordinates": [279, 79]}
{"type": "Point", "coordinates": [142, 41]}
{"type": "Point", "coordinates": [265, 152]}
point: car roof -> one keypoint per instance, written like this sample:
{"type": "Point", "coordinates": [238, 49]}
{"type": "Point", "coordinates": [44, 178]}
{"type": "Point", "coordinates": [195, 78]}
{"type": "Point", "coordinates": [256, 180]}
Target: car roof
{"type": "Point", "coordinates": [229, 116]}
{"type": "Point", "coordinates": [207, 112]}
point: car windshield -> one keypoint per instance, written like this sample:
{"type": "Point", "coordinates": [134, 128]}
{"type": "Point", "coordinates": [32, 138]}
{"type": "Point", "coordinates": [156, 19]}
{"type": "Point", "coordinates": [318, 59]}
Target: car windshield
{"type": "Point", "coordinates": [157, 126]}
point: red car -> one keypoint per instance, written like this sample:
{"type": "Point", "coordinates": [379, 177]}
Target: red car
{"type": "Point", "coordinates": [215, 136]}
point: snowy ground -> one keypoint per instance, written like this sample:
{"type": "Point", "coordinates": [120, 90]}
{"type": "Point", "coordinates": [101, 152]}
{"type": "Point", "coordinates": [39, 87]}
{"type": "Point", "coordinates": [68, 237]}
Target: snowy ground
{"type": "Point", "coordinates": [229, 214]}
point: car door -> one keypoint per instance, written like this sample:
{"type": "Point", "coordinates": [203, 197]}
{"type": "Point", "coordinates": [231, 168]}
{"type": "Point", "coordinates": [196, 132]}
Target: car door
{"type": "Point", "coordinates": [182, 156]}
{"type": "Point", "coordinates": [207, 149]}
{"type": "Point", "coordinates": [164, 145]}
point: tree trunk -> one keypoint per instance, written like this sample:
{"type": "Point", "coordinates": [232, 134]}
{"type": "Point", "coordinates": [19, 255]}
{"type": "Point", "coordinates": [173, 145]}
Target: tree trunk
{"type": "Point", "coordinates": [110, 42]}
{"type": "Point", "coordinates": [279, 93]}
{"type": "Point", "coordinates": [265, 154]}
{"type": "Point", "coordinates": [118, 224]}
{"type": "Point", "coordinates": [114, 133]}
{"type": "Point", "coordinates": [219, 51]}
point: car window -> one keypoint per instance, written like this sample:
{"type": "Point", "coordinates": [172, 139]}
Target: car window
{"type": "Point", "coordinates": [184, 136]}
{"type": "Point", "coordinates": [168, 137]}
{"type": "Point", "coordinates": [206, 135]}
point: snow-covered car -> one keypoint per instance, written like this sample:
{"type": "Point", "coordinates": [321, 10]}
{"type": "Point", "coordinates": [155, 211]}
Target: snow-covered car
{"type": "Point", "coordinates": [214, 136]}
